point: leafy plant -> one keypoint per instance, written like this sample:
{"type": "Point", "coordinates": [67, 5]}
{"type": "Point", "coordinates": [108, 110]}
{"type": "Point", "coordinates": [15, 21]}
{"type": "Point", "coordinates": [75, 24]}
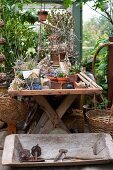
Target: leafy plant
{"type": "Point", "coordinates": [60, 74]}
{"type": "Point", "coordinates": [74, 69]}
{"type": "Point", "coordinates": [105, 6]}
{"type": "Point", "coordinates": [103, 104]}
{"type": "Point", "coordinates": [17, 32]}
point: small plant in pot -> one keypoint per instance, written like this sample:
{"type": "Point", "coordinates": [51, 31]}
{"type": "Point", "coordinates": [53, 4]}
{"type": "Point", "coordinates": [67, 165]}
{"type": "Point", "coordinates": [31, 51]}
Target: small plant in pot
{"type": "Point", "coordinates": [73, 72]}
{"type": "Point", "coordinates": [42, 15]}
{"type": "Point", "coordinates": [61, 77]}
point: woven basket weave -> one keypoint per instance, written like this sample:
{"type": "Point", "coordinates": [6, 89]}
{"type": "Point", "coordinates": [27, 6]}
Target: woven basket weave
{"type": "Point", "coordinates": [100, 121]}
{"type": "Point", "coordinates": [12, 110]}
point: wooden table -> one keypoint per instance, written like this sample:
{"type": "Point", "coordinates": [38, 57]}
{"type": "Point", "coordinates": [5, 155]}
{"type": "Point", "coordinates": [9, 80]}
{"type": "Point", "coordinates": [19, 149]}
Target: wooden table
{"type": "Point", "coordinates": [54, 115]}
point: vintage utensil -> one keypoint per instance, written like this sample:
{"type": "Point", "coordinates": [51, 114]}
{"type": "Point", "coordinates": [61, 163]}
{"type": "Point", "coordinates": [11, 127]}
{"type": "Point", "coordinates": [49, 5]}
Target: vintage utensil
{"type": "Point", "coordinates": [82, 157]}
{"type": "Point", "coordinates": [61, 152]}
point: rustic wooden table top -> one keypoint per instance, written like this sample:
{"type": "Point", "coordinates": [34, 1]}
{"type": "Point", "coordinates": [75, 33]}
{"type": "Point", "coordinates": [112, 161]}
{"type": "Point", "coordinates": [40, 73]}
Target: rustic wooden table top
{"type": "Point", "coordinates": [55, 92]}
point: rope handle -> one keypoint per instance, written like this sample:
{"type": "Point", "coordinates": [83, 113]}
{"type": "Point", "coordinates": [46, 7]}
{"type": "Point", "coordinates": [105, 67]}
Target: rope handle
{"type": "Point", "coordinates": [97, 52]}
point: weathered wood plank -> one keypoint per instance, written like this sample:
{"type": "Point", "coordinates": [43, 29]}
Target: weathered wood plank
{"type": "Point", "coordinates": [60, 112]}
{"type": "Point", "coordinates": [42, 101]}
{"type": "Point", "coordinates": [3, 134]}
{"type": "Point", "coordinates": [55, 91]}
{"type": "Point", "coordinates": [3, 167]}
{"type": "Point", "coordinates": [88, 167]}
{"type": "Point", "coordinates": [54, 117]}
{"type": "Point", "coordinates": [44, 118]}
{"type": "Point", "coordinates": [66, 103]}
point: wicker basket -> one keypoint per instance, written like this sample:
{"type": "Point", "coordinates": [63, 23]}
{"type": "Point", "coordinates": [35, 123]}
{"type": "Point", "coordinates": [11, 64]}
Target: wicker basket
{"type": "Point", "coordinates": [12, 110]}
{"type": "Point", "coordinates": [3, 77]}
{"type": "Point", "coordinates": [100, 121]}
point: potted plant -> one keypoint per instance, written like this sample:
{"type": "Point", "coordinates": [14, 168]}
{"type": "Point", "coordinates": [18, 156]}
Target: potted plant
{"type": "Point", "coordinates": [42, 15]}
{"type": "Point", "coordinates": [73, 72]}
{"type": "Point", "coordinates": [56, 85]}
{"type": "Point", "coordinates": [61, 77]}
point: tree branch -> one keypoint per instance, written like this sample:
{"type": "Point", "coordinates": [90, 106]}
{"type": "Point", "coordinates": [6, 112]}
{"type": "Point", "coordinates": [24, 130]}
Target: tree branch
{"type": "Point", "coordinates": [109, 17]}
{"type": "Point", "coordinates": [99, 12]}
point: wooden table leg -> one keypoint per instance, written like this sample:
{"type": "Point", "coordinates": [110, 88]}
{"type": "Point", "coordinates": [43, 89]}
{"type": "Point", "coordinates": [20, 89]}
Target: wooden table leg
{"type": "Point", "coordinates": [42, 101]}
{"type": "Point", "coordinates": [54, 116]}
{"type": "Point", "coordinates": [66, 103]}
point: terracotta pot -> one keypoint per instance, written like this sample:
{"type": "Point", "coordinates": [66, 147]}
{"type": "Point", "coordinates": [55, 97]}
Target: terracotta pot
{"type": "Point", "coordinates": [52, 78]}
{"type": "Point", "coordinates": [42, 15]}
{"type": "Point", "coordinates": [2, 58]}
{"type": "Point", "coordinates": [56, 85]}
{"type": "Point", "coordinates": [2, 41]}
{"type": "Point", "coordinates": [62, 79]}
{"type": "Point", "coordinates": [73, 78]}
{"type": "Point", "coordinates": [55, 58]}
{"type": "Point", "coordinates": [62, 56]}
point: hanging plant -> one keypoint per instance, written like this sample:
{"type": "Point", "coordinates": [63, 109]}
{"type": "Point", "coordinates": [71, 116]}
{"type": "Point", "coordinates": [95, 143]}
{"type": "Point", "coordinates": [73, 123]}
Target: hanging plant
{"type": "Point", "coordinates": [42, 15]}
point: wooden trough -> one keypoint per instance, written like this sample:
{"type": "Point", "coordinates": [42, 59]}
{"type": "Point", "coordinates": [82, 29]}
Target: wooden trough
{"type": "Point", "coordinates": [81, 149]}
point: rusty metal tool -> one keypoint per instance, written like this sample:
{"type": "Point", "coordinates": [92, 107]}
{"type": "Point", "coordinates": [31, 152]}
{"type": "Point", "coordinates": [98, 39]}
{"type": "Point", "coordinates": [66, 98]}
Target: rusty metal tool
{"type": "Point", "coordinates": [82, 157]}
{"type": "Point", "coordinates": [61, 152]}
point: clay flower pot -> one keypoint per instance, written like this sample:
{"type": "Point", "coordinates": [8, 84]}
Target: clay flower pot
{"type": "Point", "coordinates": [62, 79]}
{"type": "Point", "coordinates": [56, 85]}
{"type": "Point", "coordinates": [52, 78]}
{"type": "Point", "coordinates": [73, 78]}
{"type": "Point", "coordinates": [2, 58]}
{"type": "Point", "coordinates": [2, 41]}
{"type": "Point", "coordinates": [55, 58]}
{"type": "Point", "coordinates": [42, 15]}
{"type": "Point", "coordinates": [62, 56]}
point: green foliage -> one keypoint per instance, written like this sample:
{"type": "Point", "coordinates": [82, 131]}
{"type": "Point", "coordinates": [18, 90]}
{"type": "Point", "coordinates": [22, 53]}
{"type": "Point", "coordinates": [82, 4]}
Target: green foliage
{"type": "Point", "coordinates": [17, 32]}
{"type": "Point", "coordinates": [74, 69]}
{"type": "Point", "coordinates": [105, 6]}
{"type": "Point", "coordinates": [101, 68]}
{"type": "Point", "coordinates": [103, 104]}
{"type": "Point", "coordinates": [60, 74]}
